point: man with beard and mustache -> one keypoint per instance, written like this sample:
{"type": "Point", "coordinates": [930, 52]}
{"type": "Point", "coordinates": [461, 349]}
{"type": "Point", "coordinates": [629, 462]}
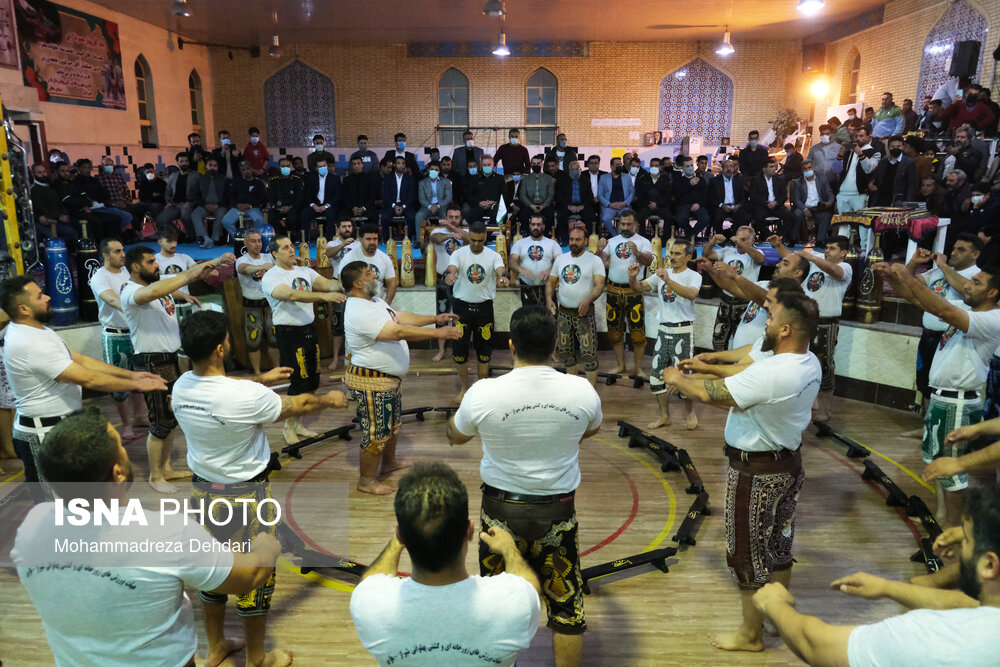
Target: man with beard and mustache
{"type": "Point", "coordinates": [368, 252]}
{"type": "Point", "coordinates": [121, 609]}
{"type": "Point", "coordinates": [151, 314]}
{"type": "Point", "coordinates": [770, 405]}
{"type": "Point", "coordinates": [376, 335]}
{"type": "Point", "coordinates": [532, 257]}
{"type": "Point", "coordinates": [45, 375]}
{"type": "Point", "coordinates": [945, 627]}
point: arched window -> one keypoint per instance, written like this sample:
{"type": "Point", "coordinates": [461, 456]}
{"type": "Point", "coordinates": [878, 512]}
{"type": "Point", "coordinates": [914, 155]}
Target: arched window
{"type": "Point", "coordinates": [453, 107]}
{"type": "Point", "coordinates": [197, 105]}
{"type": "Point", "coordinates": [147, 108]}
{"type": "Point", "coordinates": [849, 89]}
{"type": "Point", "coordinates": [540, 108]}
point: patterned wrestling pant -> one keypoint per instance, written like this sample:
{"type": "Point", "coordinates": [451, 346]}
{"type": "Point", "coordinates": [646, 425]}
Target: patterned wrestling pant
{"type": "Point", "coordinates": [379, 405]}
{"type": "Point", "coordinates": [625, 309]}
{"type": "Point", "coordinates": [577, 338]}
{"type": "Point", "coordinates": [944, 415]}
{"type": "Point", "coordinates": [824, 346]}
{"type": "Point", "coordinates": [674, 342]}
{"type": "Point", "coordinates": [727, 319]}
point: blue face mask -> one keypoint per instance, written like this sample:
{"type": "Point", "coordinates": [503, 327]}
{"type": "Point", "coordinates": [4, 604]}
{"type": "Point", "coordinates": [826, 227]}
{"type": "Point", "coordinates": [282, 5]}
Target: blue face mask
{"type": "Point", "coordinates": [473, 171]}
{"type": "Point", "coordinates": [108, 169]}
{"type": "Point", "coordinates": [432, 174]}
{"type": "Point", "coordinates": [285, 171]}
{"type": "Point", "coordinates": [562, 144]}
{"type": "Point", "coordinates": [400, 145]}
{"type": "Point", "coordinates": [808, 173]}
{"type": "Point", "coordinates": [487, 171]}
{"type": "Point", "coordinates": [516, 178]}
{"type": "Point", "coordinates": [323, 171]}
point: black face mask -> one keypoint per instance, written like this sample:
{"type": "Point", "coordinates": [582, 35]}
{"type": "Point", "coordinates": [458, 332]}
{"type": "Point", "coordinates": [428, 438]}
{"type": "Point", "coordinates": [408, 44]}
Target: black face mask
{"type": "Point", "coordinates": [536, 169]}
{"type": "Point", "coordinates": [895, 152]}
{"type": "Point", "coordinates": [971, 100]}
{"type": "Point", "coordinates": [618, 169]}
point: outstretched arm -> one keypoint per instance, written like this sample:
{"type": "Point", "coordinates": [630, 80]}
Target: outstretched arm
{"type": "Point", "coordinates": [706, 391]}
{"type": "Point", "coordinates": [813, 641]}
{"type": "Point", "coordinates": [830, 268]}
{"type": "Point", "coordinates": [920, 295]}
{"type": "Point", "coordinates": [912, 596]}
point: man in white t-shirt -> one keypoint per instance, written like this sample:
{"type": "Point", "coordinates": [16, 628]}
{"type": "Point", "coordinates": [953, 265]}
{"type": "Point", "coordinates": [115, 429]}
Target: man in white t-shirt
{"type": "Point", "coordinates": [440, 615]}
{"type": "Point", "coordinates": [827, 283]}
{"type": "Point", "coordinates": [121, 609]}
{"type": "Point", "coordinates": [369, 253]}
{"type": "Point", "coordinates": [291, 291]}
{"type": "Point", "coordinates": [531, 422]}
{"type": "Point", "coordinates": [579, 277]}
{"type": "Point", "coordinates": [946, 277]}
{"type": "Point", "coordinates": [106, 283]}
{"type": "Point", "coordinates": [676, 288]}
{"type": "Point", "coordinates": [770, 405]}
{"type": "Point", "coordinates": [475, 271]}
{"type": "Point", "coordinates": [959, 367]}
{"type": "Point", "coordinates": [223, 421]}
{"type": "Point", "coordinates": [45, 376]}
{"type": "Point", "coordinates": [338, 247]}
{"type": "Point", "coordinates": [258, 325]}
{"type": "Point", "coordinates": [746, 260]}
{"type": "Point", "coordinates": [171, 263]}
{"type": "Point", "coordinates": [945, 627]}
{"type": "Point", "coordinates": [625, 308]}
{"type": "Point", "coordinates": [446, 239]}
{"type": "Point", "coordinates": [532, 257]}
{"type": "Point", "coordinates": [379, 357]}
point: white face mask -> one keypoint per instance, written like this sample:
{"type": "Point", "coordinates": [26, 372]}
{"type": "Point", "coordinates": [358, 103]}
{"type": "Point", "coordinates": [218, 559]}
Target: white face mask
{"type": "Point", "coordinates": [468, 144]}
{"type": "Point", "coordinates": [633, 170]}
{"type": "Point", "coordinates": [318, 147]}
{"type": "Point", "coordinates": [752, 143]}
{"type": "Point", "coordinates": [977, 200]}
{"type": "Point", "coordinates": [514, 140]}
{"type": "Point", "coordinates": [824, 138]}
{"type": "Point", "coordinates": [150, 175]}
{"type": "Point", "coordinates": [225, 142]}
{"type": "Point", "coordinates": [654, 171]}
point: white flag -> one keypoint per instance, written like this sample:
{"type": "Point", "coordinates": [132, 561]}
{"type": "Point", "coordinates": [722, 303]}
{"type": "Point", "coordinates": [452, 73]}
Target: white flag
{"type": "Point", "coordinates": [501, 211]}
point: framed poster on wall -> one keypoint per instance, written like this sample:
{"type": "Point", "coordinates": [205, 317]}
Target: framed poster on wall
{"type": "Point", "coordinates": [8, 38]}
{"type": "Point", "coordinates": [70, 57]}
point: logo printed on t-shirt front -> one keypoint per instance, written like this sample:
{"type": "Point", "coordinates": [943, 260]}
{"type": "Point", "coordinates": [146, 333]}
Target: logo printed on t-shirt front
{"type": "Point", "coordinates": [172, 269]}
{"type": "Point", "coordinates": [738, 265]}
{"type": "Point", "coordinates": [751, 313]}
{"type": "Point", "coordinates": [668, 293]}
{"type": "Point", "coordinates": [571, 274]}
{"type": "Point", "coordinates": [168, 304]}
{"type": "Point", "coordinates": [622, 251]}
{"type": "Point", "coordinates": [535, 253]}
{"type": "Point", "coordinates": [476, 274]}
{"type": "Point", "coordinates": [300, 284]}
{"type": "Point", "coordinates": [378, 274]}
{"type": "Point", "coordinates": [939, 286]}
{"type": "Point", "coordinates": [947, 336]}
{"type": "Point", "coordinates": [815, 281]}
{"type": "Point", "coordinates": [451, 245]}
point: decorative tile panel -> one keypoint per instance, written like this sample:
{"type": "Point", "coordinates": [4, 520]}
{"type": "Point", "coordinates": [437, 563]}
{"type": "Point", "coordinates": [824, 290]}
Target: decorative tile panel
{"type": "Point", "coordinates": [696, 99]}
{"type": "Point", "coordinates": [961, 22]}
{"type": "Point", "coordinates": [298, 104]}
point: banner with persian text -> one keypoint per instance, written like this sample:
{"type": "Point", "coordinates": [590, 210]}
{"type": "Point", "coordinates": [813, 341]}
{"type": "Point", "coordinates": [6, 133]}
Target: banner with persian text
{"type": "Point", "coordinates": [70, 57]}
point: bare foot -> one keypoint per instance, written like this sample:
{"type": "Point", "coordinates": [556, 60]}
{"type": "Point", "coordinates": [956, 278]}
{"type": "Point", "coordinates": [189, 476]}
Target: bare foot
{"type": "Point", "coordinates": [11, 454]}
{"type": "Point", "coordinates": [223, 651]}
{"type": "Point", "coordinates": [170, 473]}
{"type": "Point", "coordinates": [276, 658]}
{"type": "Point", "coordinates": [387, 469]}
{"type": "Point", "coordinates": [617, 370]}
{"type": "Point", "coordinates": [290, 436]}
{"type": "Point", "coordinates": [141, 422]}
{"type": "Point", "coordinates": [458, 399]}
{"type": "Point", "coordinates": [438, 357]}
{"type": "Point", "coordinates": [821, 416]}
{"type": "Point", "coordinates": [375, 488]}
{"type": "Point", "coordinates": [735, 641]}
{"type": "Point", "coordinates": [304, 432]}
{"type": "Point", "coordinates": [917, 434]}
{"type": "Point", "coordinates": [333, 365]}
{"type": "Point", "coordinates": [162, 486]}
{"type": "Point", "coordinates": [692, 421]}
{"type": "Point", "coordinates": [659, 423]}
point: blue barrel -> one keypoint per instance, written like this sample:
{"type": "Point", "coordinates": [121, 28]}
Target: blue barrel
{"type": "Point", "coordinates": [266, 234]}
{"type": "Point", "coordinates": [59, 284]}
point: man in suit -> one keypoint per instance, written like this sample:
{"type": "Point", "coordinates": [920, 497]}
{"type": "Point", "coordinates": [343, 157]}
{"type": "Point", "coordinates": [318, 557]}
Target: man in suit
{"type": "Point", "coordinates": [574, 197]}
{"type": "Point", "coordinates": [483, 191]}
{"type": "Point", "coordinates": [537, 193]}
{"type": "Point", "coordinates": [727, 199]}
{"type": "Point", "coordinates": [615, 194]}
{"type": "Point", "coordinates": [227, 156]}
{"type": "Point", "coordinates": [434, 194]}
{"type": "Point", "coordinates": [466, 153]}
{"type": "Point", "coordinates": [895, 177]}
{"type": "Point", "coordinates": [209, 194]}
{"type": "Point", "coordinates": [358, 192]}
{"type": "Point", "coordinates": [653, 195]}
{"type": "Point", "coordinates": [512, 195]}
{"type": "Point", "coordinates": [410, 159]}
{"type": "Point", "coordinates": [321, 198]}
{"type": "Point", "coordinates": [690, 198]}
{"type": "Point", "coordinates": [399, 195]}
{"type": "Point", "coordinates": [593, 174]}
{"type": "Point", "coordinates": [813, 198]}
{"type": "Point", "coordinates": [562, 153]}
{"type": "Point", "coordinates": [768, 194]}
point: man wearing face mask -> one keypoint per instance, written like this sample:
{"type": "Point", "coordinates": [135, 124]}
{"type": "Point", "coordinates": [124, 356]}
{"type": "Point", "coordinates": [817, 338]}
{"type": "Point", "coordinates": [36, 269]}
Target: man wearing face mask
{"type": "Point", "coordinates": [752, 156]}
{"type": "Point", "coordinates": [615, 194]}
{"type": "Point", "coordinates": [984, 208]}
{"type": "Point", "coordinates": [823, 154]}
{"type": "Point", "coordinates": [574, 197]}
{"type": "Point", "coordinates": [113, 182]}
{"type": "Point", "coordinates": [319, 154]}
{"type": "Point", "coordinates": [466, 153]}
{"type": "Point", "coordinates": [369, 161]}
{"type": "Point", "coordinates": [690, 198]}
{"type": "Point", "coordinates": [256, 153]}
{"type": "Point", "coordinates": [537, 192]}
{"type": "Point", "coordinates": [483, 191]}
{"type": "Point", "coordinates": [321, 196]}
{"type": "Point", "coordinates": [652, 196]}
{"type": "Point", "coordinates": [49, 208]}
{"type": "Point", "coordinates": [284, 194]}
{"type": "Point", "coordinates": [411, 160]}
{"type": "Point", "coordinates": [811, 198]}
{"type": "Point", "coordinates": [209, 194]}
{"type": "Point", "coordinates": [78, 196]}
{"type": "Point", "coordinates": [399, 192]}
{"type": "Point", "coordinates": [512, 156]}
{"type": "Point", "coordinates": [96, 192]}
{"type": "Point", "coordinates": [179, 205]}
{"type": "Point", "coordinates": [247, 196]}
{"type": "Point", "coordinates": [635, 170]}
{"type": "Point", "coordinates": [434, 194]}
{"type": "Point", "coordinates": [227, 157]}
{"type": "Point", "coordinates": [895, 177]}
{"type": "Point", "coordinates": [562, 153]}
{"type": "Point", "coordinates": [151, 190]}
{"type": "Point", "coordinates": [969, 109]}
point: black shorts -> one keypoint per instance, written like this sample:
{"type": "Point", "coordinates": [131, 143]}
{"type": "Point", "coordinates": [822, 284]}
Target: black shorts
{"type": "Point", "coordinates": [476, 322]}
{"type": "Point", "coordinates": [161, 415]}
{"type": "Point", "coordinates": [298, 349]}
{"type": "Point", "coordinates": [445, 297]}
{"type": "Point", "coordinates": [337, 318]}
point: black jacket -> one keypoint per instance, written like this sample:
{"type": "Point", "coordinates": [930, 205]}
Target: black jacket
{"type": "Point", "coordinates": [481, 188]}
{"type": "Point", "coordinates": [904, 185]}
{"type": "Point", "coordinates": [686, 194]}
{"type": "Point", "coordinates": [646, 190]}
{"type": "Point", "coordinates": [717, 190]}
{"type": "Point", "coordinates": [758, 190]}
{"type": "Point", "coordinates": [564, 191]}
{"type": "Point", "coordinates": [253, 192]}
{"type": "Point", "coordinates": [359, 190]}
{"type": "Point", "coordinates": [331, 192]}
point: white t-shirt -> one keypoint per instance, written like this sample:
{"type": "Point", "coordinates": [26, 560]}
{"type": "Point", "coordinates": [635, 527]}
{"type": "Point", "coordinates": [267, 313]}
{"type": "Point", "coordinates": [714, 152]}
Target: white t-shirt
{"type": "Point", "coordinates": [101, 281]}
{"type": "Point", "coordinates": [336, 259]}
{"type": "Point", "coordinates": [379, 262]}
{"type": "Point", "coordinates": [742, 262]}
{"type": "Point", "coordinates": [34, 358]}
{"type": "Point", "coordinates": [576, 277]}
{"type": "Point", "coordinates": [530, 422]}
{"type": "Point", "coordinates": [963, 359]}
{"type": "Point", "coordinates": [827, 291]}
{"type": "Point", "coordinates": [444, 251]}
{"type": "Point", "coordinates": [251, 284]}
{"type": "Point", "coordinates": [477, 274]}
{"type": "Point", "coordinates": [775, 397]}
{"type": "Point", "coordinates": [363, 320]}
{"type": "Point", "coordinates": [939, 285]}
{"type": "Point", "coordinates": [476, 621]}
{"type": "Point", "coordinates": [536, 256]}
{"type": "Point", "coordinates": [152, 327]}
{"type": "Point", "coordinates": [223, 421]}
{"type": "Point", "coordinates": [620, 257]}
{"type": "Point", "coordinates": [291, 313]}
{"type": "Point", "coordinates": [674, 307]}
{"type": "Point", "coordinates": [943, 638]}
{"type": "Point", "coordinates": [757, 351]}
{"type": "Point", "coordinates": [173, 265]}
{"type": "Point", "coordinates": [752, 324]}
{"type": "Point", "coordinates": [144, 616]}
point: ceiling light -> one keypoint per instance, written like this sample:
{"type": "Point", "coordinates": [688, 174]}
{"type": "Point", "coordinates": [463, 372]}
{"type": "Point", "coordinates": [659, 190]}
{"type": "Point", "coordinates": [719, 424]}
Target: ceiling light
{"type": "Point", "coordinates": [502, 49]}
{"type": "Point", "coordinates": [494, 8]}
{"type": "Point", "coordinates": [726, 48]}
{"type": "Point", "coordinates": [181, 9]}
{"type": "Point", "coordinates": [810, 7]}
{"type": "Point", "coordinates": [820, 88]}
{"type": "Point", "coordinates": [275, 50]}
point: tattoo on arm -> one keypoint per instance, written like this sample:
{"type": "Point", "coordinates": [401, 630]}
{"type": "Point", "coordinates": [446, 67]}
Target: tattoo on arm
{"type": "Point", "coordinates": [286, 403]}
{"type": "Point", "coordinates": [717, 392]}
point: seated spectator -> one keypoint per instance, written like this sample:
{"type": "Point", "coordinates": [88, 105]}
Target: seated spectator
{"type": "Point", "coordinates": [298, 167]}
{"type": "Point", "coordinates": [968, 158]}
{"type": "Point", "coordinates": [483, 189]}
{"type": "Point", "coordinates": [957, 197]}
{"type": "Point", "coordinates": [945, 627]}
{"type": "Point", "coordinates": [492, 618]}
{"type": "Point", "coordinates": [152, 193]}
{"type": "Point", "coordinates": [915, 148]}
{"type": "Point", "coordinates": [635, 170]}
{"type": "Point", "coordinates": [574, 197]}
{"type": "Point", "coordinates": [433, 155]}
{"type": "Point", "coordinates": [411, 166]}
{"type": "Point", "coordinates": [562, 153]}
{"type": "Point", "coordinates": [399, 192]}
{"type": "Point", "coordinates": [79, 205]}
{"type": "Point", "coordinates": [256, 153]}
{"type": "Point", "coordinates": [320, 198]}
{"type": "Point", "coordinates": [752, 156]}
{"type": "Point", "coordinates": [985, 96]}
{"type": "Point", "coordinates": [701, 169]}
{"type": "Point", "coordinates": [434, 194]}
{"type": "Point", "coordinates": [98, 196]}
{"type": "Point", "coordinates": [320, 154]}
{"type": "Point", "coordinates": [512, 156]}
{"type": "Point", "coordinates": [359, 192]}
{"type": "Point", "coordinates": [895, 177]}
{"type": "Point", "coordinates": [512, 195]}
{"type": "Point", "coordinates": [690, 199]}
{"type": "Point", "coordinates": [653, 197]}
{"type": "Point", "coordinates": [768, 195]}
{"type": "Point", "coordinates": [118, 195]}
{"type": "Point", "coordinates": [227, 157]}
{"type": "Point", "coordinates": [247, 199]}
{"type": "Point", "coordinates": [615, 194]}
{"type": "Point", "coordinates": [841, 133]}
{"type": "Point", "coordinates": [727, 199]}
{"type": "Point", "coordinates": [537, 192]}
{"type": "Point", "coordinates": [869, 116]}
{"type": "Point", "coordinates": [49, 209]}
{"type": "Point", "coordinates": [791, 168]}
{"type": "Point", "coordinates": [812, 199]}
{"type": "Point", "coordinates": [210, 197]}
{"type": "Point", "coordinates": [178, 202]}
{"type": "Point", "coordinates": [284, 197]}
{"type": "Point", "coordinates": [932, 195]}
{"type": "Point", "coordinates": [465, 154]}
{"type": "Point", "coordinates": [970, 109]}
{"type": "Point", "coordinates": [369, 161]}
{"type": "Point", "coordinates": [455, 177]}
{"type": "Point", "coordinates": [910, 116]}
{"type": "Point", "coordinates": [984, 208]}
{"type": "Point", "coordinates": [925, 107]}
{"type": "Point", "coordinates": [934, 122]}
{"type": "Point", "coordinates": [888, 120]}
{"type": "Point", "coordinates": [823, 153]}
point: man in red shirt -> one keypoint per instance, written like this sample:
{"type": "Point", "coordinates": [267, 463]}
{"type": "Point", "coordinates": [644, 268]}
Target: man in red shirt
{"type": "Point", "coordinates": [969, 109]}
{"type": "Point", "coordinates": [256, 153]}
{"type": "Point", "coordinates": [512, 156]}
